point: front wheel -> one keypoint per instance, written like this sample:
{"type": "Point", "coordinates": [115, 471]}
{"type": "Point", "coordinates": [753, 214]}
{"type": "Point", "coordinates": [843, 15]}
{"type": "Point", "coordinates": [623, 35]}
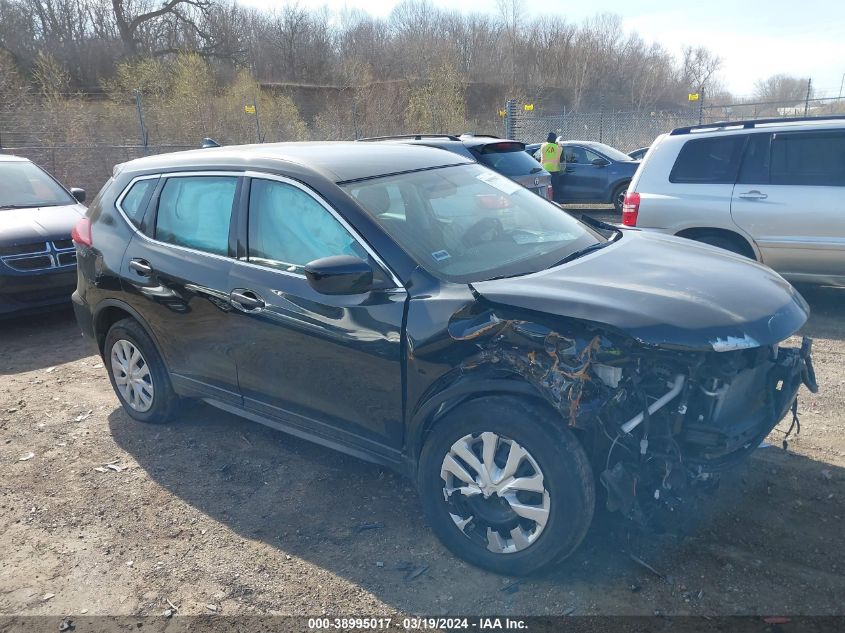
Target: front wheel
{"type": "Point", "coordinates": [506, 486]}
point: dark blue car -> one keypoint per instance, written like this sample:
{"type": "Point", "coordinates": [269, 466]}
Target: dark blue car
{"type": "Point", "coordinates": [594, 173]}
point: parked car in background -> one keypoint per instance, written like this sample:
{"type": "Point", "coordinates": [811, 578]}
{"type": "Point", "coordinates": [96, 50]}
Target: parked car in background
{"type": "Point", "coordinates": [502, 155]}
{"type": "Point", "coordinates": [508, 358]}
{"type": "Point", "coordinates": [37, 257]}
{"type": "Point", "coordinates": [593, 173]}
{"type": "Point", "coordinates": [638, 154]}
{"type": "Point", "coordinates": [771, 190]}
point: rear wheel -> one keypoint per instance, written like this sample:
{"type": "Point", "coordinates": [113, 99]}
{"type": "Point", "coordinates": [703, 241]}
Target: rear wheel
{"type": "Point", "coordinates": [619, 196]}
{"type": "Point", "coordinates": [138, 374]}
{"type": "Point", "coordinates": [505, 487]}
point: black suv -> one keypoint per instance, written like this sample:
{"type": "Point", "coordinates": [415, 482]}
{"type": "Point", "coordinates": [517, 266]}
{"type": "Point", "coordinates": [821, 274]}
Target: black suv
{"type": "Point", "coordinates": [416, 309]}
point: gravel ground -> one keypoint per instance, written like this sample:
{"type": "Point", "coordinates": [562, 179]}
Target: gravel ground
{"type": "Point", "coordinates": [213, 514]}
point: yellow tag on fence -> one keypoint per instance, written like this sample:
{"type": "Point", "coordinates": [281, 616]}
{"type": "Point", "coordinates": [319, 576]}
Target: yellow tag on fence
{"type": "Point", "coordinates": [528, 107]}
{"type": "Point", "coordinates": [249, 109]}
{"type": "Point", "coordinates": [693, 96]}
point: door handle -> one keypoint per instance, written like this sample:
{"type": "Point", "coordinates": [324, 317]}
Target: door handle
{"type": "Point", "coordinates": [753, 195]}
{"type": "Point", "coordinates": [246, 300]}
{"type": "Point", "coordinates": [141, 266]}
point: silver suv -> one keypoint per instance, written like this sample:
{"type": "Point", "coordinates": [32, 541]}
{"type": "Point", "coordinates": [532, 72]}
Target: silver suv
{"type": "Point", "coordinates": [773, 190]}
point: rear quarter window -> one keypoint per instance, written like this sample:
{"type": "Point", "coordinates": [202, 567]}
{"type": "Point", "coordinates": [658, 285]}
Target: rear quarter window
{"type": "Point", "coordinates": [135, 202]}
{"type": "Point", "coordinates": [708, 160]}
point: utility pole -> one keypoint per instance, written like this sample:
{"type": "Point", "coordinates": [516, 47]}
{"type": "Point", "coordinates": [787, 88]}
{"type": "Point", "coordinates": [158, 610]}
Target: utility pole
{"type": "Point", "coordinates": [257, 122]}
{"type": "Point", "coordinates": [141, 124]}
{"type": "Point", "coordinates": [701, 105]}
{"type": "Point", "coordinates": [807, 100]}
{"type": "Point", "coordinates": [510, 118]}
{"type": "Point", "coordinates": [601, 115]}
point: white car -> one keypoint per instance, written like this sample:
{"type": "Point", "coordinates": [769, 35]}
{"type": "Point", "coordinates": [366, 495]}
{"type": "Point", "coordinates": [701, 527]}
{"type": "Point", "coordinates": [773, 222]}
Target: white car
{"type": "Point", "coordinates": [772, 190]}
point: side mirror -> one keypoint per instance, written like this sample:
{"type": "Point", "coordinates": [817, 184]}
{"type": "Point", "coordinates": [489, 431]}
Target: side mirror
{"type": "Point", "coordinates": [600, 162]}
{"type": "Point", "coordinates": [78, 193]}
{"type": "Point", "coordinates": [339, 275]}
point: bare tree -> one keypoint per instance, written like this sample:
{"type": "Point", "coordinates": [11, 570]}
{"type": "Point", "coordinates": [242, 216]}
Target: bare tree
{"type": "Point", "coordinates": [781, 88]}
{"type": "Point", "coordinates": [699, 66]}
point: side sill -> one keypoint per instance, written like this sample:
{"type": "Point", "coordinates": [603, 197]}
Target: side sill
{"type": "Point", "coordinates": [297, 429]}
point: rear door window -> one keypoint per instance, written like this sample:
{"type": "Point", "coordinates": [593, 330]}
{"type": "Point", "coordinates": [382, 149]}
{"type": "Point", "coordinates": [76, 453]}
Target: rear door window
{"type": "Point", "coordinates": [809, 158]}
{"type": "Point", "coordinates": [709, 160]}
{"type": "Point", "coordinates": [755, 162]}
{"type": "Point", "coordinates": [195, 211]}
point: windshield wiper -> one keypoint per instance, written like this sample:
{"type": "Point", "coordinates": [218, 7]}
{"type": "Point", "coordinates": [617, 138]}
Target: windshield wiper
{"type": "Point", "coordinates": [26, 206]}
{"type": "Point", "coordinates": [584, 251]}
{"type": "Point", "coordinates": [601, 225]}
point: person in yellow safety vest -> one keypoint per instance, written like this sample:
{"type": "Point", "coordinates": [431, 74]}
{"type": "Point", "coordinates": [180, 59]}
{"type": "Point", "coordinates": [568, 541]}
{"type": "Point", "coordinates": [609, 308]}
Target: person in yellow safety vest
{"type": "Point", "coordinates": [549, 155]}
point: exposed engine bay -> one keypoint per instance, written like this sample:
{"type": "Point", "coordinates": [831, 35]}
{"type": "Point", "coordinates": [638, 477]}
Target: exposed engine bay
{"type": "Point", "coordinates": [659, 423]}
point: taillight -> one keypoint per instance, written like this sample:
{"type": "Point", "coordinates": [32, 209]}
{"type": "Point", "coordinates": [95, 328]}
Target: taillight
{"type": "Point", "coordinates": [630, 208]}
{"type": "Point", "coordinates": [81, 233]}
{"type": "Point", "coordinates": [550, 193]}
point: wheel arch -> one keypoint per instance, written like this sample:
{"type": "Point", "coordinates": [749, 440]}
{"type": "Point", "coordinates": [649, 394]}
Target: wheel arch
{"type": "Point", "coordinates": [434, 408]}
{"type": "Point", "coordinates": [109, 312]}
{"type": "Point", "coordinates": [749, 247]}
{"type": "Point", "coordinates": [619, 182]}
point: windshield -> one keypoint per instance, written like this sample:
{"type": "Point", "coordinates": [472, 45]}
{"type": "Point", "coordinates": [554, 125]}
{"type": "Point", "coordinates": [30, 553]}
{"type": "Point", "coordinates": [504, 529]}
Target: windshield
{"type": "Point", "coordinates": [611, 152]}
{"type": "Point", "coordinates": [23, 184]}
{"type": "Point", "coordinates": [509, 159]}
{"type": "Point", "coordinates": [467, 223]}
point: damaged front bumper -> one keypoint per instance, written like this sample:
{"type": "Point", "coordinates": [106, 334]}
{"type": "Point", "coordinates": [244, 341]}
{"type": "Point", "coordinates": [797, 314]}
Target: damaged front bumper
{"type": "Point", "coordinates": [699, 428]}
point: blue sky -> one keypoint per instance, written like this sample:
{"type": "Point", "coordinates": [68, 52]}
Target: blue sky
{"type": "Point", "coordinates": [755, 38]}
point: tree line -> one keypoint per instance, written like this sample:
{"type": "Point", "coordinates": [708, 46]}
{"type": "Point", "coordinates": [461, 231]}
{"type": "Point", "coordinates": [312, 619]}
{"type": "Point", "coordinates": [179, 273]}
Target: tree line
{"type": "Point", "coordinates": [312, 73]}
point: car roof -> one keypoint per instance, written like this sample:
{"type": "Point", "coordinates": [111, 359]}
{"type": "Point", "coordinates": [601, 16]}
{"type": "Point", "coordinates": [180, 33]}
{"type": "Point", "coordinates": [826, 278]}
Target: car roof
{"type": "Point", "coordinates": [338, 161]}
{"type": "Point", "coordinates": [584, 143]}
{"type": "Point", "coordinates": [450, 145]}
{"type": "Point", "coordinates": [11, 158]}
{"type": "Point", "coordinates": [759, 125]}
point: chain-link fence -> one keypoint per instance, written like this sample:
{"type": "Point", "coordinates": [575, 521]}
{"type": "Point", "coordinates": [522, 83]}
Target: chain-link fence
{"type": "Point", "coordinates": [87, 166]}
{"type": "Point", "coordinates": [631, 130]}
{"type": "Point", "coordinates": [624, 130]}
{"type": "Point", "coordinates": [79, 139]}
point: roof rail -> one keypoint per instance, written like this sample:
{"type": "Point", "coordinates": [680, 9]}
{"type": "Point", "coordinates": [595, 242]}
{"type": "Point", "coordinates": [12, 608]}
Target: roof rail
{"type": "Point", "coordinates": [751, 123]}
{"type": "Point", "coordinates": [415, 137]}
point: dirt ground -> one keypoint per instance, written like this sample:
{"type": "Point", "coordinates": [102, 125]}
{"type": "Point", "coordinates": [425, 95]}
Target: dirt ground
{"type": "Point", "coordinates": [213, 514]}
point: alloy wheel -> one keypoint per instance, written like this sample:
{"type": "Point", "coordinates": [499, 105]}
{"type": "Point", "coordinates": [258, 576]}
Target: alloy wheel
{"type": "Point", "coordinates": [495, 492]}
{"type": "Point", "coordinates": [132, 375]}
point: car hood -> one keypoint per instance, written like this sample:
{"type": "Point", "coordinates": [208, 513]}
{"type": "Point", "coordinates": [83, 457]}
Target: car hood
{"type": "Point", "coordinates": [664, 291]}
{"type": "Point", "coordinates": [18, 226]}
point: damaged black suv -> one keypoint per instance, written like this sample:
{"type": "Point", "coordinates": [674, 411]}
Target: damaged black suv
{"type": "Point", "coordinates": [412, 308]}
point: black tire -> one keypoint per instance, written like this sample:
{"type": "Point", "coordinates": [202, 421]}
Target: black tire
{"type": "Point", "coordinates": [165, 402]}
{"type": "Point", "coordinates": [618, 196]}
{"type": "Point", "coordinates": [567, 477]}
{"type": "Point", "coordinates": [724, 241]}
